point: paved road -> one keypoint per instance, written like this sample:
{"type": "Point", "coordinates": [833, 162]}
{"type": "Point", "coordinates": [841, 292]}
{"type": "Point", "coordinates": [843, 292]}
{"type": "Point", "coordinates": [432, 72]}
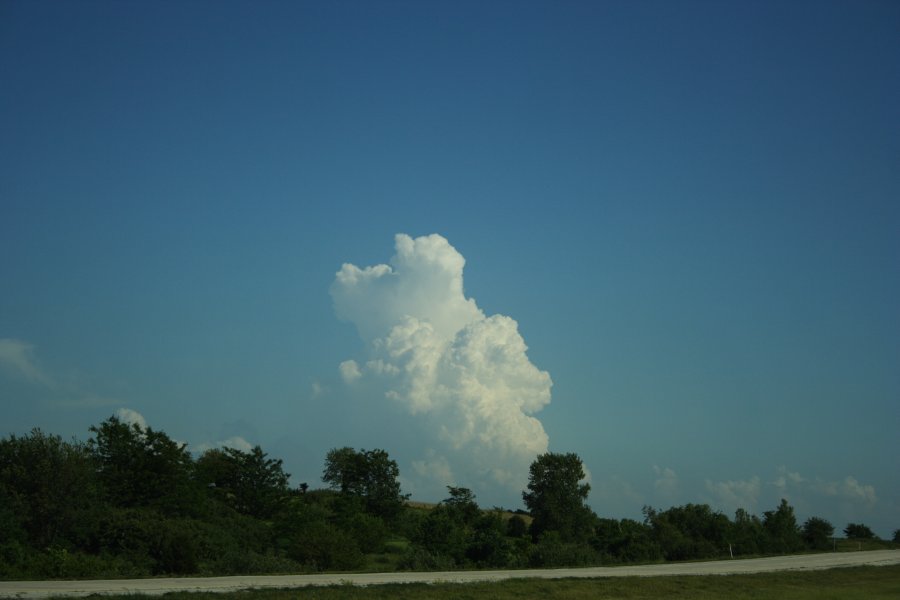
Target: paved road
{"type": "Point", "coordinates": [44, 589]}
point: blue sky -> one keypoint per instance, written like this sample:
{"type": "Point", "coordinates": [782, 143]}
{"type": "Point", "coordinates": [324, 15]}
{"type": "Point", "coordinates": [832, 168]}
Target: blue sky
{"type": "Point", "coordinates": [690, 210]}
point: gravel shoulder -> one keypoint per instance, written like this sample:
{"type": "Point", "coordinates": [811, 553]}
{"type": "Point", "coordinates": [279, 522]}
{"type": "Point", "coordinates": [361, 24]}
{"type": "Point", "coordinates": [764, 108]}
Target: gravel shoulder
{"type": "Point", "coordinates": [45, 589]}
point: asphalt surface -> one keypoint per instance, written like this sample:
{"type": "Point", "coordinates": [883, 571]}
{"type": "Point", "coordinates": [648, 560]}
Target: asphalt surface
{"type": "Point", "coordinates": [45, 589]}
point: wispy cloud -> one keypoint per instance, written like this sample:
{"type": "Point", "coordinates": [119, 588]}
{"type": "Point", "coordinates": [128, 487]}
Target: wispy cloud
{"type": "Point", "coordinates": [848, 489]}
{"type": "Point", "coordinates": [732, 495]}
{"type": "Point", "coordinates": [88, 401]}
{"type": "Point", "coordinates": [666, 483]}
{"type": "Point", "coordinates": [815, 493]}
{"type": "Point", "coordinates": [18, 358]}
{"type": "Point", "coordinates": [614, 491]}
{"type": "Point", "coordinates": [62, 390]}
{"type": "Point", "coordinates": [786, 479]}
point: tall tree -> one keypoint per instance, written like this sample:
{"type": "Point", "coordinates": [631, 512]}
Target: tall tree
{"type": "Point", "coordinates": [47, 486]}
{"type": "Point", "coordinates": [556, 497]}
{"type": "Point", "coordinates": [142, 467]}
{"type": "Point", "coordinates": [747, 535]}
{"type": "Point", "coordinates": [461, 504]}
{"type": "Point", "coordinates": [249, 481]}
{"type": "Point", "coordinates": [817, 533]}
{"type": "Point", "coordinates": [449, 528]}
{"type": "Point", "coordinates": [858, 531]}
{"type": "Point", "coordinates": [368, 475]}
{"type": "Point", "coordinates": [781, 528]}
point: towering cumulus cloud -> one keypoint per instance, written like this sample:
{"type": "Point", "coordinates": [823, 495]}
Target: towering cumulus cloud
{"type": "Point", "coordinates": [464, 377]}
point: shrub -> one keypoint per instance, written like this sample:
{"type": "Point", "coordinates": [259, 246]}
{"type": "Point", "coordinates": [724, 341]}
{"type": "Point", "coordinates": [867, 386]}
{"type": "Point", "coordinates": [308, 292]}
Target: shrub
{"type": "Point", "coordinates": [320, 546]}
{"type": "Point", "coordinates": [369, 531]}
{"type": "Point", "coordinates": [516, 527]}
{"type": "Point", "coordinates": [858, 531]}
{"type": "Point", "coordinates": [552, 551]}
{"type": "Point", "coordinates": [817, 533]}
{"type": "Point", "coordinates": [421, 559]}
{"type": "Point", "coordinates": [238, 562]}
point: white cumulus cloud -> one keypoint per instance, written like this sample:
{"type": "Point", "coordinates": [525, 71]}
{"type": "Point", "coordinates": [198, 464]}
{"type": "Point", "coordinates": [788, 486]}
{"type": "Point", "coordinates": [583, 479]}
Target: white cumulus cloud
{"type": "Point", "coordinates": [349, 371]}
{"type": "Point", "coordinates": [464, 377]}
{"type": "Point", "coordinates": [235, 443]}
{"type": "Point", "coordinates": [131, 417]}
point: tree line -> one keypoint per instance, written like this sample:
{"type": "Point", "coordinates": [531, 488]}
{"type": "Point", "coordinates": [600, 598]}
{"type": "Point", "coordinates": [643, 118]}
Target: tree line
{"type": "Point", "coordinates": [131, 502]}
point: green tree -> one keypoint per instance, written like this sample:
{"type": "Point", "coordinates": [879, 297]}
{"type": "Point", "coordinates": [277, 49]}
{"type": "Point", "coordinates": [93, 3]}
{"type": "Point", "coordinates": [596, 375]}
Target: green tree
{"type": "Point", "coordinates": [143, 467]}
{"type": "Point", "coordinates": [747, 535]}
{"type": "Point", "coordinates": [858, 531]}
{"type": "Point", "coordinates": [369, 531]}
{"type": "Point", "coordinates": [817, 533]}
{"type": "Point", "coordinates": [896, 538]}
{"type": "Point", "coordinates": [249, 482]}
{"type": "Point", "coordinates": [48, 486]}
{"type": "Point", "coordinates": [462, 506]}
{"type": "Point", "coordinates": [306, 535]}
{"type": "Point", "coordinates": [551, 551]}
{"type": "Point", "coordinates": [370, 476]}
{"type": "Point", "coordinates": [488, 545]}
{"type": "Point", "coordinates": [448, 529]}
{"type": "Point", "coordinates": [556, 497]}
{"type": "Point", "coordinates": [443, 535]}
{"type": "Point", "coordinates": [690, 531]}
{"type": "Point", "coordinates": [625, 541]}
{"type": "Point", "coordinates": [516, 527]}
{"type": "Point", "coordinates": [782, 531]}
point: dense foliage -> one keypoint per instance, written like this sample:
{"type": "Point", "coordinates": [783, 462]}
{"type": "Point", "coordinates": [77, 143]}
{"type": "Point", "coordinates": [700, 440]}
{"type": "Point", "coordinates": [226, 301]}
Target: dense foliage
{"type": "Point", "coordinates": [556, 497]}
{"type": "Point", "coordinates": [133, 502]}
{"type": "Point", "coordinates": [858, 531]}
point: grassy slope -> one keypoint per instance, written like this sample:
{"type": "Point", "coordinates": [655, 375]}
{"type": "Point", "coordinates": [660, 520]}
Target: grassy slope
{"type": "Point", "coordinates": [858, 583]}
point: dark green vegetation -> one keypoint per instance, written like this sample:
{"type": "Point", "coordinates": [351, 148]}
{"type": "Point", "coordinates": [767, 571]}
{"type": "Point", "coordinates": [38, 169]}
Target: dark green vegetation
{"type": "Point", "coordinates": [858, 583]}
{"type": "Point", "coordinates": [133, 502]}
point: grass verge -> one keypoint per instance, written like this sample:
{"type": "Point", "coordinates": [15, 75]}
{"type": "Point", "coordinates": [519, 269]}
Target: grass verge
{"type": "Point", "coordinates": [855, 583]}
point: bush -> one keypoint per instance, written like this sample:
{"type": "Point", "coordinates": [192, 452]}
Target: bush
{"type": "Point", "coordinates": [176, 552]}
{"type": "Point", "coordinates": [858, 531]}
{"type": "Point", "coordinates": [552, 551]}
{"type": "Point", "coordinates": [441, 534]}
{"type": "Point", "coordinates": [13, 560]}
{"type": "Point", "coordinates": [421, 559]}
{"type": "Point", "coordinates": [625, 541]}
{"type": "Point", "coordinates": [237, 562]}
{"type": "Point", "coordinates": [491, 549]}
{"type": "Point", "coordinates": [516, 527]}
{"type": "Point", "coordinates": [60, 563]}
{"type": "Point", "coordinates": [369, 531]}
{"type": "Point", "coordinates": [321, 546]}
{"type": "Point", "coordinates": [817, 533]}
{"type": "Point", "coordinates": [410, 521]}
